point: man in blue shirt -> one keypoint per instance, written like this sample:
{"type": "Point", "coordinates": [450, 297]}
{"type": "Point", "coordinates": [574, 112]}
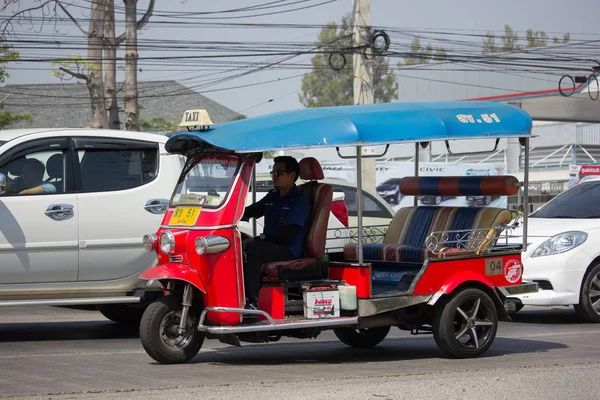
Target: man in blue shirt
{"type": "Point", "coordinates": [32, 178]}
{"type": "Point", "coordinates": [287, 216]}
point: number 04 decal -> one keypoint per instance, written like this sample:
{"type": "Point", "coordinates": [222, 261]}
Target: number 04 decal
{"type": "Point", "coordinates": [493, 266]}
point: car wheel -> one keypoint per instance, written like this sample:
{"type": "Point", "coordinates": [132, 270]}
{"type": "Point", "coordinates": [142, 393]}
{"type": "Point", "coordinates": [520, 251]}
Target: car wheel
{"type": "Point", "coordinates": [589, 296]}
{"type": "Point", "coordinates": [438, 199]}
{"type": "Point", "coordinates": [465, 324]}
{"type": "Point", "coordinates": [362, 338]}
{"type": "Point", "coordinates": [160, 336]}
{"type": "Point", "coordinates": [127, 314]}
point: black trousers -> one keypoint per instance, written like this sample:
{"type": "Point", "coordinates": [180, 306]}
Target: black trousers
{"type": "Point", "coordinates": [257, 253]}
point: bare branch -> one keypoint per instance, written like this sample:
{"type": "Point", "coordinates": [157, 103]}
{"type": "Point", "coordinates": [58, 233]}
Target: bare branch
{"type": "Point", "coordinates": [86, 33]}
{"type": "Point", "coordinates": [77, 75]}
{"type": "Point", "coordinates": [19, 14]}
{"type": "Point", "coordinates": [141, 23]}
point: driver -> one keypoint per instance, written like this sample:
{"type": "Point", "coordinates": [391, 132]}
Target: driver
{"type": "Point", "coordinates": [32, 178]}
{"type": "Point", "coordinates": [287, 214]}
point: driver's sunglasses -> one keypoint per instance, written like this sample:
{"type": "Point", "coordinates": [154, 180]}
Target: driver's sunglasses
{"type": "Point", "coordinates": [277, 172]}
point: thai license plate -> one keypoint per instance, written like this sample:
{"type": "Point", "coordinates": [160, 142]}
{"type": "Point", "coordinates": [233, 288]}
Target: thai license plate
{"type": "Point", "coordinates": [185, 216]}
{"type": "Point", "coordinates": [493, 266]}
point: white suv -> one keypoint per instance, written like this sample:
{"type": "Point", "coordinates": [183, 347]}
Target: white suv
{"type": "Point", "coordinates": [78, 241]}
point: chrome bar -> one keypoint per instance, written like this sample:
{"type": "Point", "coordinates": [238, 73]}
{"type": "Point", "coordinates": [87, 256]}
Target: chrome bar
{"type": "Point", "coordinates": [525, 287]}
{"type": "Point", "coordinates": [416, 199]}
{"type": "Point", "coordinates": [187, 303]}
{"type": "Point", "coordinates": [271, 325]}
{"type": "Point", "coordinates": [359, 201]}
{"type": "Point", "coordinates": [526, 194]}
{"type": "Point", "coordinates": [254, 198]}
{"type": "Point", "coordinates": [72, 302]}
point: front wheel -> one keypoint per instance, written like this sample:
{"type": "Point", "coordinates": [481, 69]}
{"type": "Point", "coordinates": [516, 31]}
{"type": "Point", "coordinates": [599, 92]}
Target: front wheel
{"type": "Point", "coordinates": [160, 336]}
{"type": "Point", "coordinates": [589, 296]}
{"type": "Point", "coordinates": [465, 324]}
{"type": "Point", "coordinates": [362, 338]}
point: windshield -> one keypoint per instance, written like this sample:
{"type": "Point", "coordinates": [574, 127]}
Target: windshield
{"type": "Point", "coordinates": [581, 201]}
{"type": "Point", "coordinates": [206, 181]}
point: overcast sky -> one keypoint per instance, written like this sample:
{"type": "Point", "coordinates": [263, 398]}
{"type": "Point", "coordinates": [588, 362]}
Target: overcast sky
{"type": "Point", "coordinates": [555, 17]}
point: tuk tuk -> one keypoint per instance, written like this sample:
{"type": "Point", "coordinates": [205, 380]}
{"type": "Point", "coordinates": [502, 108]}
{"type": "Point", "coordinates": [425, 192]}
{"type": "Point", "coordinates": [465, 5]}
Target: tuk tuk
{"type": "Point", "coordinates": [440, 270]}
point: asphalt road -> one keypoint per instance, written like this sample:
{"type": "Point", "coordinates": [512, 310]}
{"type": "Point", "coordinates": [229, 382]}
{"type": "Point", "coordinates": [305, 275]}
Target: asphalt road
{"type": "Point", "coordinates": [60, 353]}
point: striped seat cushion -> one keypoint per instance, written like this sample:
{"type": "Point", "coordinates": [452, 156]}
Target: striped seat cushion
{"type": "Point", "coordinates": [405, 238]}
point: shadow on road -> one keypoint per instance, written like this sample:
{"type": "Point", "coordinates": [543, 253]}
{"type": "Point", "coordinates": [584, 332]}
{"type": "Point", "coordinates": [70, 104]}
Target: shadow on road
{"type": "Point", "coordinates": [547, 316]}
{"type": "Point", "coordinates": [73, 330]}
{"type": "Point", "coordinates": [334, 352]}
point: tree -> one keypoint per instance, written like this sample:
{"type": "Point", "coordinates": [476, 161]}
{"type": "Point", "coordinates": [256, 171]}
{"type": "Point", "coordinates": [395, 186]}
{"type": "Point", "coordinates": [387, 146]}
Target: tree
{"type": "Point", "coordinates": [510, 40]}
{"type": "Point", "coordinates": [7, 117]}
{"type": "Point", "coordinates": [157, 124]}
{"type": "Point", "coordinates": [325, 86]}
{"type": "Point", "coordinates": [423, 55]}
{"type": "Point", "coordinates": [101, 37]}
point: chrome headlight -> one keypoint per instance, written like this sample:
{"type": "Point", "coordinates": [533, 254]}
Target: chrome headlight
{"type": "Point", "coordinates": [211, 244]}
{"type": "Point", "coordinates": [150, 241]}
{"type": "Point", "coordinates": [167, 242]}
{"type": "Point", "coordinates": [560, 243]}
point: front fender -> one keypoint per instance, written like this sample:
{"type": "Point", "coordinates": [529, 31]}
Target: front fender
{"type": "Point", "coordinates": [182, 272]}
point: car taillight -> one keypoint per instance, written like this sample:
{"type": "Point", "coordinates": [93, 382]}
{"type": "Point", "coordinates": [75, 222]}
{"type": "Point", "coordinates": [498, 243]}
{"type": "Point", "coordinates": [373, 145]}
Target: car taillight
{"type": "Point", "coordinates": [339, 209]}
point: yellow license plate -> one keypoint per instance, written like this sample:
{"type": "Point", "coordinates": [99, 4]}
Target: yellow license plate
{"type": "Point", "coordinates": [186, 216]}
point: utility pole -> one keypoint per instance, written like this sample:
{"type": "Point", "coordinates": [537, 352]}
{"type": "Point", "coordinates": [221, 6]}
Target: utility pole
{"type": "Point", "coordinates": [363, 76]}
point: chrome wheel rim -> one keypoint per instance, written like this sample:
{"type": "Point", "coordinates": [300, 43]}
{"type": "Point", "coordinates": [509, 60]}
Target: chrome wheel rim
{"type": "Point", "coordinates": [473, 324]}
{"type": "Point", "coordinates": [169, 334]}
{"type": "Point", "coordinates": [594, 293]}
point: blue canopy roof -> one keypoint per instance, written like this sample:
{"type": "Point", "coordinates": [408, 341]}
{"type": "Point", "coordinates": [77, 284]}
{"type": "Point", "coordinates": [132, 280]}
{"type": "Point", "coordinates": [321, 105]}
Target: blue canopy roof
{"type": "Point", "coordinates": [361, 125]}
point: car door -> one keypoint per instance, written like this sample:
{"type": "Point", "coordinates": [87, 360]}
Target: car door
{"type": "Point", "coordinates": [38, 232]}
{"type": "Point", "coordinates": [119, 185]}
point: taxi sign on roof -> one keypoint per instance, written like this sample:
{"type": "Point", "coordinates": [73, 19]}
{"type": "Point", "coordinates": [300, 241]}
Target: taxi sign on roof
{"type": "Point", "coordinates": [196, 118]}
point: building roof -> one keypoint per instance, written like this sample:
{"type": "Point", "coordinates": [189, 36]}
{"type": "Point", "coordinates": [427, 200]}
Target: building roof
{"type": "Point", "coordinates": [62, 105]}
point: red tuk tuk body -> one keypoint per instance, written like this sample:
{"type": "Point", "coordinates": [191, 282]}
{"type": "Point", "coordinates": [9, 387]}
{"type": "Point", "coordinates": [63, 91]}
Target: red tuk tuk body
{"type": "Point", "coordinates": [439, 269]}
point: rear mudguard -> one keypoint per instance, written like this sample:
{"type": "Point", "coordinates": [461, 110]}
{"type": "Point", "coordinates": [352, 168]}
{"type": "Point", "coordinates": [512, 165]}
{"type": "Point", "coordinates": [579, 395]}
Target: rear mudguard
{"type": "Point", "coordinates": [181, 272]}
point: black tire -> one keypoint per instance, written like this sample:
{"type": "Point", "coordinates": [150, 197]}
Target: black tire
{"type": "Point", "coordinates": [337, 61]}
{"type": "Point", "coordinates": [465, 324]}
{"type": "Point", "coordinates": [362, 338]}
{"type": "Point", "coordinates": [158, 336]}
{"type": "Point", "coordinates": [589, 296]}
{"type": "Point", "coordinates": [128, 314]}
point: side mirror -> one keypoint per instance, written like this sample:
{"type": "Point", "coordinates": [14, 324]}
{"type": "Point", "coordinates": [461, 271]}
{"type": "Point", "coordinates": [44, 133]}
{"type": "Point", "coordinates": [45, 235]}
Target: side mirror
{"type": "Point", "coordinates": [2, 183]}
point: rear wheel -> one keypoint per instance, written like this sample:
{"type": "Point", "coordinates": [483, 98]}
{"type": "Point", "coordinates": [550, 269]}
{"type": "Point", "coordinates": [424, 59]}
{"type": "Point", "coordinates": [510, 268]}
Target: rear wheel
{"type": "Point", "coordinates": [465, 324]}
{"type": "Point", "coordinates": [128, 314]}
{"type": "Point", "coordinates": [160, 336]}
{"type": "Point", "coordinates": [362, 338]}
{"type": "Point", "coordinates": [589, 296]}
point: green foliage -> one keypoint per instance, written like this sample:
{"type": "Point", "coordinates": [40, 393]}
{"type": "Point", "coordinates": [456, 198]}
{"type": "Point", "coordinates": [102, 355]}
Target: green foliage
{"type": "Point", "coordinates": [7, 118]}
{"type": "Point", "coordinates": [76, 63]}
{"type": "Point", "coordinates": [7, 55]}
{"type": "Point", "coordinates": [423, 55]}
{"type": "Point", "coordinates": [325, 86]}
{"type": "Point", "coordinates": [510, 40]}
{"type": "Point", "coordinates": [238, 117]}
{"type": "Point", "coordinates": [157, 124]}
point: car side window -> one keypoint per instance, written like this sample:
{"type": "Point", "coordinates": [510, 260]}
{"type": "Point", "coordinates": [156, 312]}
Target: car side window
{"type": "Point", "coordinates": [35, 173]}
{"type": "Point", "coordinates": [116, 169]}
{"type": "Point", "coordinates": [371, 207]}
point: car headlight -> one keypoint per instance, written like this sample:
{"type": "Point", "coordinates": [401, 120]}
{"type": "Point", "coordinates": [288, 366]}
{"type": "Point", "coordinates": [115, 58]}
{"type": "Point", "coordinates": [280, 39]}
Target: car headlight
{"type": "Point", "coordinates": [150, 241]}
{"type": "Point", "coordinates": [167, 242]}
{"type": "Point", "coordinates": [560, 243]}
{"type": "Point", "coordinates": [211, 244]}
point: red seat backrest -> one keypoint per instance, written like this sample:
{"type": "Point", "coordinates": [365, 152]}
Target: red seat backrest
{"type": "Point", "coordinates": [320, 196]}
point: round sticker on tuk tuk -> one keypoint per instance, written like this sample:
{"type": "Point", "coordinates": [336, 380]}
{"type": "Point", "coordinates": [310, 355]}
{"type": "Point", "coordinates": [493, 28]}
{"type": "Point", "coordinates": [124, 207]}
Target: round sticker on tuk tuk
{"type": "Point", "coordinates": [513, 271]}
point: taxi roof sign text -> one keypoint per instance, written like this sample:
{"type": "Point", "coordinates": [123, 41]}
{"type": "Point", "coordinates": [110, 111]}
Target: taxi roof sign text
{"type": "Point", "coordinates": [196, 118]}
